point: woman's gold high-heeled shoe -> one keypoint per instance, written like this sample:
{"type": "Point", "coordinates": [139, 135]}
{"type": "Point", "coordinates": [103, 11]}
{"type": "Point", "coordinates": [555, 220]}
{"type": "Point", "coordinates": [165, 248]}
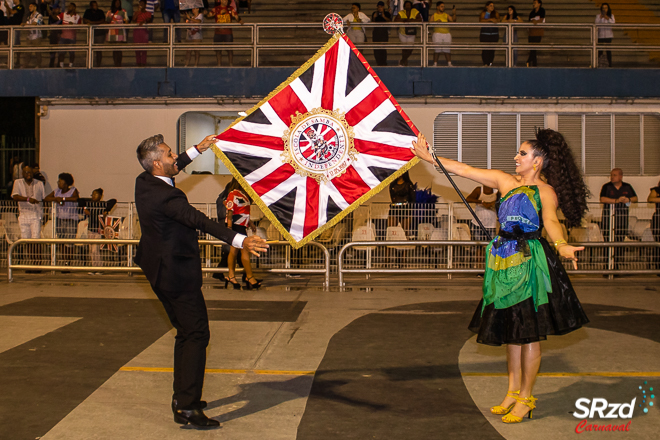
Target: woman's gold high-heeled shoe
{"type": "Point", "coordinates": [527, 401]}
{"type": "Point", "coordinates": [501, 410]}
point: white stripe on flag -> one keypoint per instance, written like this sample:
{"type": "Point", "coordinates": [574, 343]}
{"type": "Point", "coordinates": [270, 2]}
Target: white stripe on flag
{"type": "Point", "coordinates": [361, 166]}
{"type": "Point", "coordinates": [264, 171]}
{"type": "Point", "coordinates": [262, 129]}
{"type": "Point", "coordinates": [248, 150]}
{"type": "Point", "coordinates": [381, 162]}
{"type": "Point", "coordinates": [341, 73]}
{"type": "Point", "coordinates": [279, 126]}
{"type": "Point", "coordinates": [358, 94]}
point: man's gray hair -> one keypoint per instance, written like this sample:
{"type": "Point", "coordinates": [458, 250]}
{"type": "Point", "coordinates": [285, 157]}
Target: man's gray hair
{"type": "Point", "coordinates": [148, 151]}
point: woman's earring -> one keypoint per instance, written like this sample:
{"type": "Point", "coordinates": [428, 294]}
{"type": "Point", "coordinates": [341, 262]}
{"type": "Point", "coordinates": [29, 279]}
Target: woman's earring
{"type": "Point", "coordinates": [534, 166]}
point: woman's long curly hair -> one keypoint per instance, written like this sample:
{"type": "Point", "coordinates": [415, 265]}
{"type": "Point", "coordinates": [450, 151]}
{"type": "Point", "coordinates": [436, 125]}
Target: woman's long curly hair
{"type": "Point", "coordinates": [562, 173]}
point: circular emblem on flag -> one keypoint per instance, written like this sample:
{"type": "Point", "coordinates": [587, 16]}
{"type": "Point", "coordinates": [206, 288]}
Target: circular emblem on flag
{"type": "Point", "coordinates": [319, 144]}
{"type": "Point", "coordinates": [109, 232]}
{"type": "Point", "coordinates": [333, 23]}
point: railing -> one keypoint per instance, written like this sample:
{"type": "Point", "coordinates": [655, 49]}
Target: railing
{"type": "Point", "coordinates": [130, 267]}
{"type": "Point", "coordinates": [578, 43]}
{"type": "Point", "coordinates": [447, 263]}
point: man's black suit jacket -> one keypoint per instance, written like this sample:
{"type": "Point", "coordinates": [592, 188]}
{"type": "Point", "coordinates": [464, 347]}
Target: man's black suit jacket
{"type": "Point", "coordinates": [168, 252]}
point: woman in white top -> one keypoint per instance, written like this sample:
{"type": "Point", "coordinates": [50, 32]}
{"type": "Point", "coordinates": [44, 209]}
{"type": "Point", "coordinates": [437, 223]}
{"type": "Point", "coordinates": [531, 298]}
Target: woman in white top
{"type": "Point", "coordinates": [605, 34]}
{"type": "Point", "coordinates": [356, 33]}
{"type": "Point", "coordinates": [194, 34]}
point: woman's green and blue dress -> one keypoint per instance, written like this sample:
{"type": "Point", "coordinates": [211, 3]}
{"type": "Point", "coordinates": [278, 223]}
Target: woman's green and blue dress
{"type": "Point", "coordinates": [527, 294]}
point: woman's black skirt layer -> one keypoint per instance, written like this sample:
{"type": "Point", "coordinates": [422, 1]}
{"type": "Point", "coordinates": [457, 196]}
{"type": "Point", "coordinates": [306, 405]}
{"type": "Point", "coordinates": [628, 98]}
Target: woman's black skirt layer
{"type": "Point", "coordinates": [521, 324]}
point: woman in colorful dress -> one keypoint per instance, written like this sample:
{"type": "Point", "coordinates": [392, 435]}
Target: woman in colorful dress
{"type": "Point", "coordinates": [116, 15]}
{"type": "Point", "coordinates": [238, 219]}
{"type": "Point", "coordinates": [527, 294]}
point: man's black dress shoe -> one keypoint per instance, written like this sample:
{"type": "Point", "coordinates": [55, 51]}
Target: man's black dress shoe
{"type": "Point", "coordinates": [201, 405]}
{"type": "Point", "coordinates": [194, 417]}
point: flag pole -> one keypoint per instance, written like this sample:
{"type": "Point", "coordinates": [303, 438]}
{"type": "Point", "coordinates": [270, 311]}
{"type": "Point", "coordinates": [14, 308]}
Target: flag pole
{"type": "Point", "coordinates": [483, 228]}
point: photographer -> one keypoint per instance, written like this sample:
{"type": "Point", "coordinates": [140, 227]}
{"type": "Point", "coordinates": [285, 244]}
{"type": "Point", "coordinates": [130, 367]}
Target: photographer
{"type": "Point", "coordinates": [381, 34]}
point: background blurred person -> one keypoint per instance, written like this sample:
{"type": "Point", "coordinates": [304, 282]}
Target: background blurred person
{"type": "Point", "coordinates": [441, 35]}
{"type": "Point", "coordinates": [605, 34]}
{"type": "Point", "coordinates": [536, 16]}
{"type": "Point", "coordinates": [357, 34]}
{"type": "Point", "coordinates": [512, 17]}
{"type": "Point", "coordinates": [489, 34]}
{"type": "Point", "coordinates": [381, 34]}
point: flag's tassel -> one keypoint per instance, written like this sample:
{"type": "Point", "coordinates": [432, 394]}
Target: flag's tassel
{"type": "Point", "coordinates": [461, 195]}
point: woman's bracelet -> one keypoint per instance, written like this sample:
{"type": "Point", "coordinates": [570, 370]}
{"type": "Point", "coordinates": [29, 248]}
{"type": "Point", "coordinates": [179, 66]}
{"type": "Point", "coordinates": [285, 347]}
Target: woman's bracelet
{"type": "Point", "coordinates": [559, 243]}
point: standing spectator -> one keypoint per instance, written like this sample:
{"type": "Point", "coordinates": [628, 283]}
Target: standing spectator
{"type": "Point", "coordinates": [54, 35]}
{"type": "Point", "coordinates": [224, 14]}
{"type": "Point", "coordinates": [407, 34]}
{"type": "Point", "coordinates": [34, 36]}
{"type": "Point", "coordinates": [66, 198]}
{"type": "Point", "coordinates": [94, 15]}
{"type": "Point", "coordinates": [654, 197]}
{"type": "Point", "coordinates": [171, 13]}
{"type": "Point", "coordinates": [69, 35]}
{"type": "Point", "coordinates": [40, 176]}
{"type": "Point", "coordinates": [15, 18]}
{"type": "Point", "coordinates": [402, 195]}
{"type": "Point", "coordinates": [535, 35]}
{"type": "Point", "coordinates": [441, 34]}
{"type": "Point", "coordinates": [489, 34]}
{"type": "Point", "coordinates": [194, 35]}
{"type": "Point", "coordinates": [96, 211]}
{"type": "Point", "coordinates": [356, 33]}
{"type": "Point", "coordinates": [605, 34]}
{"type": "Point", "coordinates": [620, 194]}
{"type": "Point", "coordinates": [152, 7]}
{"type": "Point", "coordinates": [116, 15]}
{"type": "Point", "coordinates": [512, 17]}
{"type": "Point", "coordinates": [485, 198]}
{"type": "Point", "coordinates": [127, 5]}
{"type": "Point", "coordinates": [423, 7]}
{"type": "Point", "coordinates": [381, 34]}
{"type": "Point", "coordinates": [29, 193]}
{"type": "Point", "coordinates": [4, 35]}
{"type": "Point", "coordinates": [141, 35]}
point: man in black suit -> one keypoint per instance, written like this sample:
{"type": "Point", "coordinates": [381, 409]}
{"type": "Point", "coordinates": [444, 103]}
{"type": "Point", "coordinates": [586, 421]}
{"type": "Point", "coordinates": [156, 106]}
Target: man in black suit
{"type": "Point", "coordinates": [168, 254]}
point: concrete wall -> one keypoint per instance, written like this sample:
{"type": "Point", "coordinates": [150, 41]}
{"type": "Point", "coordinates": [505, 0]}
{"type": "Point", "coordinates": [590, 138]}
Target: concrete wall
{"type": "Point", "coordinates": [96, 143]}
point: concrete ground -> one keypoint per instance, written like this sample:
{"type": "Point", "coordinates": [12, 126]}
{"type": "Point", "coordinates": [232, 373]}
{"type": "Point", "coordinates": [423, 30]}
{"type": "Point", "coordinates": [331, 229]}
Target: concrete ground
{"type": "Point", "coordinates": [86, 357]}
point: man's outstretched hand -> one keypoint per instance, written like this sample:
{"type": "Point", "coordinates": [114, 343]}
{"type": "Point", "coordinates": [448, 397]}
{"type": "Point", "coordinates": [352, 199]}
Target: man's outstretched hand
{"type": "Point", "coordinates": [206, 143]}
{"type": "Point", "coordinates": [255, 245]}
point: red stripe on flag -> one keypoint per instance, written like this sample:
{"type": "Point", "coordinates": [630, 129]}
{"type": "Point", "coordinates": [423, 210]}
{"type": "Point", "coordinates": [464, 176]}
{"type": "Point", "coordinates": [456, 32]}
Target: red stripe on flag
{"type": "Point", "coordinates": [350, 185]}
{"type": "Point", "coordinates": [258, 140]}
{"type": "Point", "coordinates": [365, 107]}
{"type": "Point", "coordinates": [286, 103]}
{"type": "Point", "coordinates": [270, 181]}
{"type": "Point", "coordinates": [311, 207]}
{"type": "Point", "coordinates": [383, 150]}
{"type": "Point", "coordinates": [329, 74]}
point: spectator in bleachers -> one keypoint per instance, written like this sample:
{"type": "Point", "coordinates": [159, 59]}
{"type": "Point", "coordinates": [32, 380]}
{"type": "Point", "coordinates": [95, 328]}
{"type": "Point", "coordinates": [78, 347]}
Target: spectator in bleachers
{"type": "Point", "coordinates": [4, 37]}
{"type": "Point", "coordinates": [171, 14]}
{"type": "Point", "coordinates": [69, 35]}
{"type": "Point", "coordinates": [485, 198]}
{"type": "Point", "coordinates": [441, 35]}
{"type": "Point", "coordinates": [605, 34]}
{"type": "Point", "coordinates": [34, 36]}
{"type": "Point", "coordinates": [94, 15]}
{"type": "Point", "coordinates": [15, 15]}
{"type": "Point", "coordinates": [654, 197]}
{"type": "Point", "coordinates": [357, 34]}
{"type": "Point", "coordinates": [194, 35]}
{"type": "Point", "coordinates": [402, 196]}
{"type": "Point", "coordinates": [423, 7]}
{"type": "Point", "coordinates": [141, 35]}
{"type": "Point", "coordinates": [381, 34]}
{"type": "Point", "coordinates": [127, 5]}
{"type": "Point", "coordinates": [223, 13]}
{"type": "Point", "coordinates": [512, 17]}
{"type": "Point", "coordinates": [489, 34]}
{"type": "Point", "coordinates": [407, 34]}
{"type": "Point", "coordinates": [536, 16]}
{"type": "Point", "coordinates": [96, 211]}
{"type": "Point", "coordinates": [116, 15]}
{"type": "Point", "coordinates": [620, 194]}
{"type": "Point", "coordinates": [54, 35]}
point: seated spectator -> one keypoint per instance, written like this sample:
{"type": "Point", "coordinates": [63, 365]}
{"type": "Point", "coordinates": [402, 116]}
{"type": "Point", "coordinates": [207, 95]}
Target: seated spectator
{"type": "Point", "coordinates": [441, 35]}
{"type": "Point", "coordinates": [356, 33]}
{"type": "Point", "coordinates": [194, 35]}
{"type": "Point", "coordinates": [95, 212]}
{"type": "Point", "coordinates": [29, 193]}
{"type": "Point", "coordinates": [96, 16]}
{"type": "Point", "coordinates": [381, 34]}
{"type": "Point", "coordinates": [34, 36]}
{"type": "Point", "coordinates": [69, 35]}
{"type": "Point", "coordinates": [15, 18]}
{"type": "Point", "coordinates": [605, 34]}
{"type": "Point", "coordinates": [224, 14]}
{"type": "Point", "coordinates": [141, 35]}
{"type": "Point", "coordinates": [66, 198]}
{"type": "Point", "coordinates": [116, 15]}
{"type": "Point", "coordinates": [489, 34]}
{"type": "Point", "coordinates": [407, 34]}
{"type": "Point", "coordinates": [654, 197]}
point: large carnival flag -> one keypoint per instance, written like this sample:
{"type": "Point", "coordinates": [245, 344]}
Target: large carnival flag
{"type": "Point", "coordinates": [321, 144]}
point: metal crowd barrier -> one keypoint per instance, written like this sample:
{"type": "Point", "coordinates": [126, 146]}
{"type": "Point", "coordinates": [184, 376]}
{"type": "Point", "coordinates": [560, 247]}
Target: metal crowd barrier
{"type": "Point", "coordinates": [269, 38]}
{"type": "Point", "coordinates": [131, 268]}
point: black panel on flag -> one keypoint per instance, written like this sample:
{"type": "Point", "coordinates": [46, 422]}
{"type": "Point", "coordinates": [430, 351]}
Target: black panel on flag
{"type": "Point", "coordinates": [283, 209]}
{"type": "Point", "coordinates": [246, 164]}
{"type": "Point", "coordinates": [333, 209]}
{"type": "Point", "coordinates": [356, 73]}
{"type": "Point", "coordinates": [381, 173]}
{"type": "Point", "coordinates": [257, 117]}
{"type": "Point", "coordinates": [308, 77]}
{"type": "Point", "coordinates": [394, 123]}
